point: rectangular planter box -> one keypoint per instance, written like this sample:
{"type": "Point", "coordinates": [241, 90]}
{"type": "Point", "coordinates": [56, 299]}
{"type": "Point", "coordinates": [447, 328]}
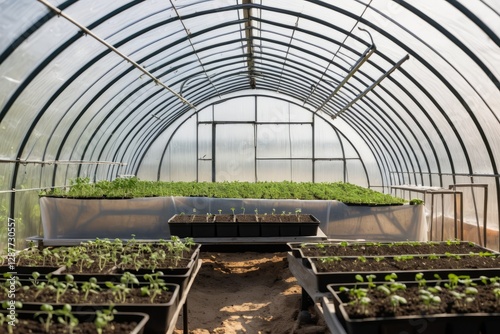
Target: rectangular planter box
{"type": "Point", "coordinates": [336, 248]}
{"type": "Point", "coordinates": [225, 226]}
{"type": "Point", "coordinates": [196, 226]}
{"type": "Point", "coordinates": [300, 228]}
{"type": "Point", "coordinates": [270, 229]}
{"type": "Point", "coordinates": [248, 226]}
{"type": "Point", "coordinates": [249, 230]}
{"type": "Point", "coordinates": [322, 279]}
{"type": "Point", "coordinates": [203, 230]}
{"type": "Point", "coordinates": [289, 229]}
{"type": "Point", "coordinates": [182, 230]}
{"type": "Point", "coordinates": [27, 270]}
{"type": "Point", "coordinates": [181, 279]}
{"type": "Point", "coordinates": [449, 323]}
{"type": "Point", "coordinates": [309, 229]}
{"type": "Point", "coordinates": [160, 315]}
{"type": "Point", "coordinates": [119, 317]}
{"type": "Point", "coordinates": [243, 225]}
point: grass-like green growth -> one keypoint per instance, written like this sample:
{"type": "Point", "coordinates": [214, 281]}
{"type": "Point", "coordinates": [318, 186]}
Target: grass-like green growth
{"type": "Point", "coordinates": [133, 188]}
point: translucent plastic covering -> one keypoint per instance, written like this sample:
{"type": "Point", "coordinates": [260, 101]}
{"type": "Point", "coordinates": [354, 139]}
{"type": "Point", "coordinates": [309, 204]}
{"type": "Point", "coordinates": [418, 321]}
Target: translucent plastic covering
{"type": "Point", "coordinates": [147, 218]}
{"type": "Point", "coordinates": [379, 93]}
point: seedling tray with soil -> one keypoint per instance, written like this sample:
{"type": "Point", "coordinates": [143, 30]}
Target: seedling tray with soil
{"type": "Point", "coordinates": [327, 270]}
{"type": "Point", "coordinates": [345, 248]}
{"type": "Point", "coordinates": [31, 322]}
{"type": "Point", "coordinates": [456, 304]}
{"type": "Point", "coordinates": [156, 298]}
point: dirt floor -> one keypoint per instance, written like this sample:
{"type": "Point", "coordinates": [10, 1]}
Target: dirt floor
{"type": "Point", "coordinates": [246, 293]}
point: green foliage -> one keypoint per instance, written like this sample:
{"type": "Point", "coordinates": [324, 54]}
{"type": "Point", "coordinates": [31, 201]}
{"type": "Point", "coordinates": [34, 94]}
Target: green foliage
{"type": "Point", "coordinates": [133, 187]}
{"type": "Point", "coordinates": [416, 201]}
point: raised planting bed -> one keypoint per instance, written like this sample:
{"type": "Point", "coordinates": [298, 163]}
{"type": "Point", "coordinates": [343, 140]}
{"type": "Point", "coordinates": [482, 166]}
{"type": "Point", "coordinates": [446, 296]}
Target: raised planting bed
{"type": "Point", "coordinates": [123, 207]}
{"type": "Point", "coordinates": [106, 256]}
{"type": "Point", "coordinates": [123, 188]}
{"type": "Point", "coordinates": [156, 298]}
{"type": "Point", "coordinates": [455, 305]}
{"type": "Point", "coordinates": [334, 269]}
{"type": "Point", "coordinates": [76, 322]}
{"type": "Point", "coordinates": [244, 225]}
{"type": "Point", "coordinates": [107, 260]}
{"type": "Point", "coordinates": [346, 248]}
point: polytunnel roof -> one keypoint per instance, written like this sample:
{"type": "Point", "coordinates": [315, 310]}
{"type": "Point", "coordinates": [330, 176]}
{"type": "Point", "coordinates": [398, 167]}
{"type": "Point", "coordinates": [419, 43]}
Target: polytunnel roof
{"type": "Point", "coordinates": [417, 80]}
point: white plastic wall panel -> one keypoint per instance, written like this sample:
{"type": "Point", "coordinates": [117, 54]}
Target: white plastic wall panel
{"type": "Point", "coordinates": [153, 158]}
{"type": "Point", "coordinates": [62, 112]}
{"type": "Point", "coordinates": [204, 171]}
{"type": "Point", "coordinates": [205, 141]}
{"type": "Point", "coordinates": [180, 156]}
{"type": "Point", "coordinates": [242, 110]}
{"type": "Point", "coordinates": [301, 171]}
{"type": "Point", "coordinates": [483, 48]}
{"type": "Point", "coordinates": [316, 45]}
{"type": "Point", "coordinates": [329, 171]}
{"type": "Point", "coordinates": [12, 25]}
{"type": "Point", "coordinates": [274, 170]}
{"type": "Point", "coordinates": [327, 144]}
{"type": "Point", "coordinates": [122, 26]}
{"type": "Point", "coordinates": [355, 173]}
{"type": "Point", "coordinates": [234, 152]}
{"type": "Point", "coordinates": [299, 114]}
{"type": "Point", "coordinates": [273, 141]}
{"type": "Point", "coordinates": [483, 11]}
{"type": "Point", "coordinates": [301, 139]}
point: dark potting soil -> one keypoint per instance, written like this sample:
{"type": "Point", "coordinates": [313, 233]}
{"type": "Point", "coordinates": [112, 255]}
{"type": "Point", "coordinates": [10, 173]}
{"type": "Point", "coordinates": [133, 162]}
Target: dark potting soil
{"type": "Point", "coordinates": [180, 218]}
{"type": "Point", "coordinates": [376, 264]}
{"type": "Point", "coordinates": [246, 218]}
{"type": "Point", "coordinates": [224, 218]}
{"type": "Point", "coordinates": [169, 263]}
{"type": "Point", "coordinates": [380, 304]}
{"type": "Point", "coordinates": [105, 296]}
{"type": "Point", "coordinates": [315, 250]}
{"type": "Point", "coordinates": [269, 218]}
{"type": "Point", "coordinates": [293, 218]}
{"type": "Point", "coordinates": [89, 268]}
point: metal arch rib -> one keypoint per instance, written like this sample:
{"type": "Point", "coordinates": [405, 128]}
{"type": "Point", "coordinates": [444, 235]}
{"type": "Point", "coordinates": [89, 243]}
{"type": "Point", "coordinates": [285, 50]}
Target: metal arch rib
{"type": "Point", "coordinates": [115, 50]}
{"type": "Point", "coordinates": [188, 34]}
{"type": "Point", "coordinates": [247, 15]}
{"type": "Point", "coordinates": [372, 86]}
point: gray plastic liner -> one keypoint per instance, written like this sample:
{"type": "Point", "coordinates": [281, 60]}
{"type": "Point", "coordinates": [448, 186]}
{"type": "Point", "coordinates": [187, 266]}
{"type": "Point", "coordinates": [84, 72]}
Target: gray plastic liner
{"type": "Point", "coordinates": [146, 218]}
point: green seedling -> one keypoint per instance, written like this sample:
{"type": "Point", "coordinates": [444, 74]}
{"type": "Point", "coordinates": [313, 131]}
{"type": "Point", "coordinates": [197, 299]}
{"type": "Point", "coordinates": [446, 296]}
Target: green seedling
{"type": "Point", "coordinates": [104, 318]}
{"type": "Point", "coordinates": [90, 287]}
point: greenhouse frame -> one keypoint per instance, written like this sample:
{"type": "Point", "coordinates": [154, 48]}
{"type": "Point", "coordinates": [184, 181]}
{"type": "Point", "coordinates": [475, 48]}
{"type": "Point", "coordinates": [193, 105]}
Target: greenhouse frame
{"type": "Point", "coordinates": [401, 97]}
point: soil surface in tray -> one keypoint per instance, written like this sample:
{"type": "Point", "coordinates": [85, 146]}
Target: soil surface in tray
{"type": "Point", "coordinates": [314, 250]}
{"type": "Point", "coordinates": [332, 264]}
{"type": "Point", "coordinates": [249, 292]}
{"type": "Point", "coordinates": [34, 326]}
{"type": "Point", "coordinates": [292, 218]}
{"type": "Point", "coordinates": [103, 297]}
{"type": "Point", "coordinates": [380, 304]}
{"type": "Point", "coordinates": [248, 218]}
{"type": "Point", "coordinates": [224, 218]}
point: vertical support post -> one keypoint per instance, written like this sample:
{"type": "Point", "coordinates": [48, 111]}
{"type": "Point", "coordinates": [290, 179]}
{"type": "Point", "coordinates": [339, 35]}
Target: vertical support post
{"type": "Point", "coordinates": [213, 151]}
{"type": "Point", "coordinates": [485, 219]}
{"type": "Point", "coordinates": [185, 322]}
{"type": "Point", "coordinates": [432, 216]}
{"type": "Point", "coordinates": [442, 216]}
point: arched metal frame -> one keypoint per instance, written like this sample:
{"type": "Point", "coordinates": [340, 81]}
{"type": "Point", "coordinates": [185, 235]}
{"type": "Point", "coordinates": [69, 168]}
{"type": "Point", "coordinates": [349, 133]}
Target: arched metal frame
{"type": "Point", "coordinates": [301, 50]}
{"type": "Point", "coordinates": [341, 138]}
